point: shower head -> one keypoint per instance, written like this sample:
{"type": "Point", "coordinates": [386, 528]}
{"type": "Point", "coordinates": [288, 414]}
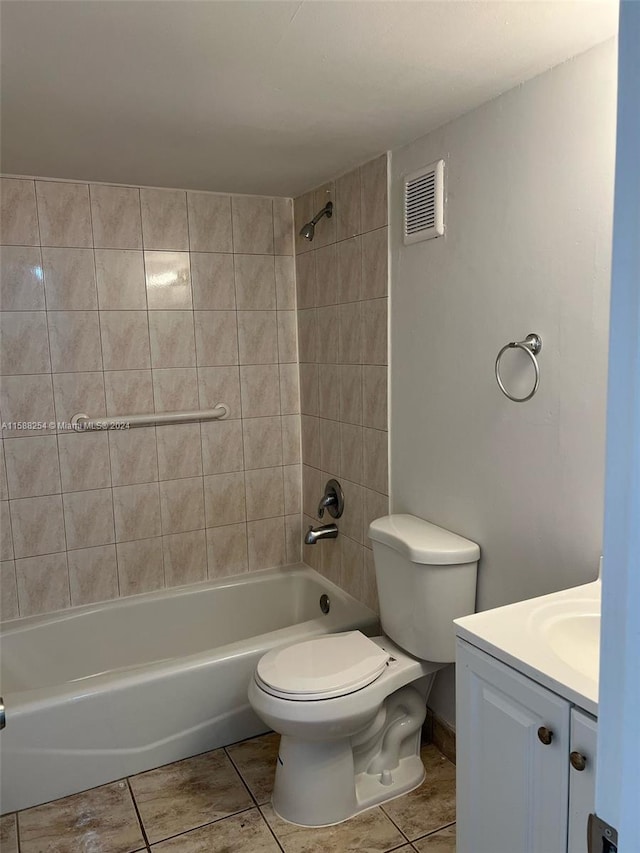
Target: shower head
{"type": "Point", "coordinates": [307, 231]}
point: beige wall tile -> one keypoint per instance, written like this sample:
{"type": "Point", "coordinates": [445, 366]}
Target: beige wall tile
{"type": "Point", "coordinates": [353, 510]}
{"type": "Point", "coordinates": [26, 399]}
{"type": "Point", "coordinates": [185, 558]}
{"type": "Point", "coordinates": [43, 584]}
{"type": "Point", "coordinates": [19, 218]}
{"type": "Point", "coordinates": [265, 493]}
{"type": "Point", "coordinates": [21, 279]}
{"type": "Point", "coordinates": [374, 331]}
{"type": "Point", "coordinates": [78, 392]}
{"type": "Point", "coordinates": [307, 335]}
{"type": "Point", "coordinates": [220, 385]}
{"type": "Point", "coordinates": [227, 550]}
{"type": "Point", "coordinates": [6, 536]}
{"type": "Point", "coordinates": [330, 446]}
{"type": "Point", "coordinates": [209, 222]}
{"type": "Point", "coordinates": [168, 279]}
{"type": "Point", "coordinates": [134, 457]}
{"type": "Point", "coordinates": [352, 567]}
{"type": "Point", "coordinates": [311, 555]}
{"type": "Point", "coordinates": [328, 335]}
{"type": "Point", "coordinates": [255, 282]}
{"type": "Point", "coordinates": [349, 269]}
{"type": "Point", "coordinates": [93, 574]}
{"type": "Point", "coordinates": [125, 340]}
{"type": "Point", "coordinates": [306, 280]}
{"type": "Point", "coordinates": [348, 205]}
{"type": "Point", "coordinates": [257, 337]}
{"type": "Point", "coordinates": [224, 499]}
{"type": "Point", "coordinates": [287, 337]}
{"type": "Point", "coordinates": [128, 392]}
{"type": "Point", "coordinates": [63, 214]}
{"type": "Point", "coordinates": [374, 396]}
{"type": "Point", "coordinates": [216, 338]}
{"type": "Point", "coordinates": [289, 390]}
{"type": "Point", "coordinates": [326, 275]}
{"type": "Point", "coordinates": [291, 441]}
{"type": "Point", "coordinates": [120, 280]}
{"type": "Point", "coordinates": [179, 451]}
{"type": "Point", "coordinates": [4, 489]}
{"type": "Point", "coordinates": [260, 390]}
{"type": "Point", "coordinates": [84, 461]}
{"type": "Point", "coordinates": [222, 450]}
{"type": "Point", "coordinates": [136, 511]}
{"type": "Point", "coordinates": [373, 188]}
{"type": "Point", "coordinates": [266, 543]}
{"type": "Point", "coordinates": [351, 450]}
{"type": "Point", "coordinates": [375, 460]}
{"type": "Point", "coordinates": [182, 505]}
{"type": "Point", "coordinates": [8, 591]}
{"type": "Point", "coordinates": [88, 518]}
{"type": "Point", "coordinates": [303, 212]}
{"type": "Point", "coordinates": [329, 391]}
{"type": "Point", "coordinates": [140, 566]}
{"type": "Point", "coordinates": [37, 525]}
{"type": "Point", "coordinates": [309, 389]}
{"type": "Point", "coordinates": [292, 480]}
{"type": "Point", "coordinates": [325, 232]}
{"type": "Point", "coordinates": [262, 442]}
{"type": "Point", "coordinates": [293, 537]}
{"type": "Point", "coordinates": [350, 333]}
{"type": "Point", "coordinates": [175, 389]}
{"type": "Point", "coordinates": [285, 283]}
{"type": "Point", "coordinates": [282, 226]}
{"type": "Point", "coordinates": [32, 466]}
{"type": "Point", "coordinates": [115, 212]}
{"type": "Point", "coordinates": [74, 339]}
{"type": "Point", "coordinates": [212, 281]}
{"type": "Point", "coordinates": [375, 263]}
{"type": "Point", "coordinates": [252, 225]}
{"type": "Point", "coordinates": [24, 344]}
{"type": "Point", "coordinates": [164, 219]}
{"type": "Point", "coordinates": [172, 339]}
{"type": "Point", "coordinates": [310, 430]}
{"type": "Point", "coordinates": [69, 279]}
{"type": "Point", "coordinates": [312, 491]}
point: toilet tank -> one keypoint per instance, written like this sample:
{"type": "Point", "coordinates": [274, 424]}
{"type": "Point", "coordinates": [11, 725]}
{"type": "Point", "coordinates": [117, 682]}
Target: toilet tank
{"type": "Point", "coordinates": [426, 578]}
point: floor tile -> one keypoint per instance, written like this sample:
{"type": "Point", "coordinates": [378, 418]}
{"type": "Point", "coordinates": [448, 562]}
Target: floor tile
{"type": "Point", "coordinates": [243, 833]}
{"type": "Point", "coordinates": [102, 820]}
{"type": "Point", "coordinates": [8, 834]}
{"type": "Point", "coordinates": [440, 842]}
{"type": "Point", "coordinates": [255, 760]}
{"type": "Point", "coordinates": [188, 794]}
{"type": "Point", "coordinates": [433, 804]}
{"type": "Point", "coordinates": [370, 832]}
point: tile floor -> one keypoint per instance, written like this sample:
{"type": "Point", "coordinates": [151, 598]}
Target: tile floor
{"type": "Point", "coordinates": [218, 802]}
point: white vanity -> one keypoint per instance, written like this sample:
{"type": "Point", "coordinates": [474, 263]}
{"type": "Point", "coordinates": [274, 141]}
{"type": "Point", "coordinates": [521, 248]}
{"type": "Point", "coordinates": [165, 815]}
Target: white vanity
{"type": "Point", "coordinates": [527, 706]}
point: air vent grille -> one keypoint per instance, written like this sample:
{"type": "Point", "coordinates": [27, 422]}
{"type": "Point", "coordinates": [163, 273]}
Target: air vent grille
{"type": "Point", "coordinates": [424, 203]}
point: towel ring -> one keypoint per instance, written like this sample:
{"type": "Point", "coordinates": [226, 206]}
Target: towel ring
{"type": "Point", "coordinates": [532, 345]}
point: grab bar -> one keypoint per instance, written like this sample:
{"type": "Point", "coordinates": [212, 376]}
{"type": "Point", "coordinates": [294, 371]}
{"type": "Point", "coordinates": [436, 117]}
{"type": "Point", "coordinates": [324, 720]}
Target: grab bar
{"type": "Point", "coordinates": [82, 422]}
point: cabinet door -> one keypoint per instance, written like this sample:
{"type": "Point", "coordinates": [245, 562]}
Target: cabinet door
{"type": "Point", "coordinates": [512, 788]}
{"type": "Point", "coordinates": [582, 783]}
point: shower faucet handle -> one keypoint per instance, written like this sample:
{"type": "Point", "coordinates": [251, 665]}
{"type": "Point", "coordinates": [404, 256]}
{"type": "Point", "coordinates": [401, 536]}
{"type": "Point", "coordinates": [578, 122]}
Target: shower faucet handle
{"type": "Point", "coordinates": [332, 500]}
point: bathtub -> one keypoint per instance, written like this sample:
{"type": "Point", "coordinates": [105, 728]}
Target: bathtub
{"type": "Point", "coordinates": [103, 691]}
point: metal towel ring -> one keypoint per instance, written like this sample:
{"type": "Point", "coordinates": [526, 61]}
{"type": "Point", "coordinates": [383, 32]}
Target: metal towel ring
{"type": "Point", "coordinates": [532, 345]}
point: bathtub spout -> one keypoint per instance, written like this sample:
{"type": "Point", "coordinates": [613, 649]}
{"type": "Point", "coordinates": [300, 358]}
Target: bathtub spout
{"type": "Point", "coordinates": [326, 531]}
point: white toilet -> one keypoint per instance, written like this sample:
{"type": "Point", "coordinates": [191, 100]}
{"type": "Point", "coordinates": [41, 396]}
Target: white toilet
{"type": "Point", "coordinates": [349, 708]}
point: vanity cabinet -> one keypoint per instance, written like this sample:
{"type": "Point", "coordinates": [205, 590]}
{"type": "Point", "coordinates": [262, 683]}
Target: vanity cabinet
{"type": "Point", "coordinates": [517, 789]}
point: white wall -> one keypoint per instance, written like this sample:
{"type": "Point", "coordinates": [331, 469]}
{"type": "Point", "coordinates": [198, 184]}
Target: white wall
{"type": "Point", "coordinates": [529, 184]}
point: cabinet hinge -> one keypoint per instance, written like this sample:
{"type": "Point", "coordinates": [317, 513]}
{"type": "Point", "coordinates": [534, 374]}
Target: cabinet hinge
{"type": "Point", "coordinates": [601, 838]}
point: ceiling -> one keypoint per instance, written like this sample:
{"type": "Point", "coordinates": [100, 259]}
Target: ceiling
{"type": "Point", "coordinates": [262, 97]}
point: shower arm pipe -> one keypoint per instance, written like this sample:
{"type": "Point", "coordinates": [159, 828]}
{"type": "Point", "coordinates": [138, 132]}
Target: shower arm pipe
{"type": "Point", "coordinates": [81, 422]}
{"type": "Point", "coordinates": [327, 211]}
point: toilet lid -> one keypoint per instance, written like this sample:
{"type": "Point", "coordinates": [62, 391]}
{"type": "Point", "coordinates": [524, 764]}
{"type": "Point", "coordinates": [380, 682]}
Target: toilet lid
{"type": "Point", "coordinates": [335, 664]}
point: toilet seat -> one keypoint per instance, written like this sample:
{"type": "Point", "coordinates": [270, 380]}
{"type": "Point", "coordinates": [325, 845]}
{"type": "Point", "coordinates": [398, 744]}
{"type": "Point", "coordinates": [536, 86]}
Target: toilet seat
{"type": "Point", "coordinates": [325, 667]}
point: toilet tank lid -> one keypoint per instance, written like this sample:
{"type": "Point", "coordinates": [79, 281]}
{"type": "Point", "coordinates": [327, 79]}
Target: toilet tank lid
{"type": "Point", "coordinates": [423, 542]}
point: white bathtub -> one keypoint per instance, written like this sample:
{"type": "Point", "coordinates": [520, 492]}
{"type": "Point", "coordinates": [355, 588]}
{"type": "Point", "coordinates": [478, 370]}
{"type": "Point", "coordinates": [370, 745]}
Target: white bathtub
{"type": "Point", "coordinates": [103, 691]}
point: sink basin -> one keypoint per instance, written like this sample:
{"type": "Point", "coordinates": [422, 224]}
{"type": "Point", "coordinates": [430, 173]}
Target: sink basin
{"type": "Point", "coordinates": [575, 638]}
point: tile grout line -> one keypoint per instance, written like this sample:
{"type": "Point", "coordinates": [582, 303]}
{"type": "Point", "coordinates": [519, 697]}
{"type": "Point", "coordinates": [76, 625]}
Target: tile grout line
{"type": "Point", "coordinates": [250, 792]}
{"type": "Point", "coordinates": [138, 815]}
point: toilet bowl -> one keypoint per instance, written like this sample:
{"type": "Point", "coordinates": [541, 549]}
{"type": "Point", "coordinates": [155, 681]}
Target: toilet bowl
{"type": "Point", "coordinates": [350, 708]}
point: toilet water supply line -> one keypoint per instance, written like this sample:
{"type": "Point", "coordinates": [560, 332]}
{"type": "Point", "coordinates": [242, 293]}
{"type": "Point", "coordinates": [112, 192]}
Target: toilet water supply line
{"type": "Point", "coordinates": [397, 731]}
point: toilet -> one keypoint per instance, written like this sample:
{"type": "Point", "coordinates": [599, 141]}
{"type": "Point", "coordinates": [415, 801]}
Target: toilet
{"type": "Point", "coordinates": [350, 708]}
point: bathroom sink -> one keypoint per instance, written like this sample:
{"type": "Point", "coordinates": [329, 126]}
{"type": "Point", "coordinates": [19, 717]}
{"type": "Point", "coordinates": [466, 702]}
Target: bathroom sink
{"type": "Point", "coordinates": [554, 639]}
